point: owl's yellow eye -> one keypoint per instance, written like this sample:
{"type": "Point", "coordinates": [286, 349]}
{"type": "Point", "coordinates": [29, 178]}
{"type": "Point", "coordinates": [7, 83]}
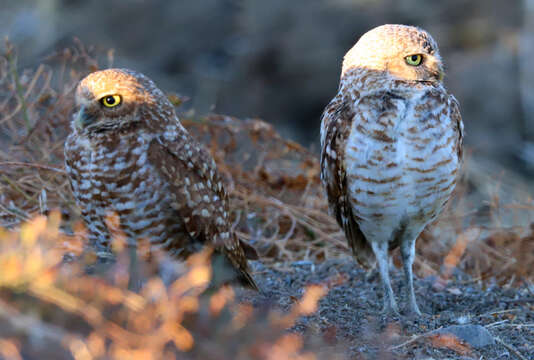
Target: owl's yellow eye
{"type": "Point", "coordinates": [414, 60]}
{"type": "Point", "coordinates": [111, 101]}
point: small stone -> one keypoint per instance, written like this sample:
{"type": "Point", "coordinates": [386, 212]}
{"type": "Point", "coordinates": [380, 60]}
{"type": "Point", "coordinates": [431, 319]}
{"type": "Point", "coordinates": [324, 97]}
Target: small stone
{"type": "Point", "coordinates": [476, 336]}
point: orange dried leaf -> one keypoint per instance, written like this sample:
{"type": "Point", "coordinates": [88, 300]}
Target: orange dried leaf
{"type": "Point", "coordinates": [308, 303]}
{"type": "Point", "coordinates": [9, 350]}
{"type": "Point", "coordinates": [449, 341]}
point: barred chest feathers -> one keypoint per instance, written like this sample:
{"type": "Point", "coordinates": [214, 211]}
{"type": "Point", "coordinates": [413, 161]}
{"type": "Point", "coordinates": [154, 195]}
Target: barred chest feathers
{"type": "Point", "coordinates": [400, 160]}
{"type": "Point", "coordinates": [106, 179]}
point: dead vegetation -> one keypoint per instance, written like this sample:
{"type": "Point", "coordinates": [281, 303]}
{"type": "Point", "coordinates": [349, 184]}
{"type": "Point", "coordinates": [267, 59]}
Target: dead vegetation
{"type": "Point", "coordinates": [278, 206]}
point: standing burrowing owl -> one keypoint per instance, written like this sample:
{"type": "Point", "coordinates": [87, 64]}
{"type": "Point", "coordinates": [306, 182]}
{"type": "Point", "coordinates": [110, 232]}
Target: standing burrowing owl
{"type": "Point", "coordinates": [391, 145]}
{"type": "Point", "coordinates": [128, 154]}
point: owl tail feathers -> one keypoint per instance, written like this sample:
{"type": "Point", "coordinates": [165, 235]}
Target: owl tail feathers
{"type": "Point", "coordinates": [244, 272]}
{"type": "Point", "coordinates": [226, 270]}
{"type": "Point", "coordinates": [364, 256]}
{"type": "Point", "coordinates": [250, 251]}
{"type": "Point", "coordinates": [361, 249]}
{"type": "Point", "coordinates": [246, 280]}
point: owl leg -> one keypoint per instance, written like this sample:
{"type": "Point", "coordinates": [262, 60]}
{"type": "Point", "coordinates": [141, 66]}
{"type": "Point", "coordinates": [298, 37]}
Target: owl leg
{"type": "Point", "coordinates": [408, 254]}
{"type": "Point", "coordinates": [99, 236]}
{"type": "Point", "coordinates": [380, 250]}
{"type": "Point", "coordinates": [134, 280]}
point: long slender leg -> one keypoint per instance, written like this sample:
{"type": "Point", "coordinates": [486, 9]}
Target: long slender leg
{"type": "Point", "coordinates": [407, 248]}
{"type": "Point", "coordinates": [381, 252]}
{"type": "Point", "coordinates": [134, 281]}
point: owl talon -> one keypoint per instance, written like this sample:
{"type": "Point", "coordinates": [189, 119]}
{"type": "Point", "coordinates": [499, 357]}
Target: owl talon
{"type": "Point", "coordinates": [390, 307]}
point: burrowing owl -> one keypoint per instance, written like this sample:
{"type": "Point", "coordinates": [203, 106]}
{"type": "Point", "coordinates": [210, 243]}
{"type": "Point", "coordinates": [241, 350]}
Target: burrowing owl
{"type": "Point", "coordinates": [128, 154]}
{"type": "Point", "coordinates": [391, 144]}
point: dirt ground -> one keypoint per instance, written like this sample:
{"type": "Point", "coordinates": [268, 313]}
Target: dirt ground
{"type": "Point", "coordinates": [462, 319]}
{"type": "Point", "coordinates": [279, 208]}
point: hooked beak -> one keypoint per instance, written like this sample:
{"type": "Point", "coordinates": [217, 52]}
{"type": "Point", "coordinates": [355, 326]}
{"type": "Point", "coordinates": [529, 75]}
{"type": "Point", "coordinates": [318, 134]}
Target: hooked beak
{"type": "Point", "coordinates": [83, 118]}
{"type": "Point", "coordinates": [436, 75]}
{"type": "Point", "coordinates": [440, 73]}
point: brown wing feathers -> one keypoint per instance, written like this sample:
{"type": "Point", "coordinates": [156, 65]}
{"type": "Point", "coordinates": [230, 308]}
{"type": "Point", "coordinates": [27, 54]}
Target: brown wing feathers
{"type": "Point", "coordinates": [199, 198]}
{"type": "Point", "coordinates": [339, 119]}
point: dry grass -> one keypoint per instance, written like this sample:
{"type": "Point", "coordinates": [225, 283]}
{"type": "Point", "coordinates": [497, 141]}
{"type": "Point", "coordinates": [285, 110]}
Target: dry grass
{"type": "Point", "coordinates": [50, 309]}
{"type": "Point", "coordinates": [278, 206]}
{"type": "Point", "coordinates": [278, 202]}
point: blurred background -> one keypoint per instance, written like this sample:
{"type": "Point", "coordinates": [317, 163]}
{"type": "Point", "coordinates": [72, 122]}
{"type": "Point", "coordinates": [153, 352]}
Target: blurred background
{"type": "Point", "coordinates": [280, 60]}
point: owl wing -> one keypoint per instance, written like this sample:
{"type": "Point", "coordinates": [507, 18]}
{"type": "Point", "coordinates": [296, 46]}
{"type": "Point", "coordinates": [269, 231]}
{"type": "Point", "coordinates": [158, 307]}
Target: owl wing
{"type": "Point", "coordinates": [457, 122]}
{"type": "Point", "coordinates": [198, 197]}
{"type": "Point", "coordinates": [336, 123]}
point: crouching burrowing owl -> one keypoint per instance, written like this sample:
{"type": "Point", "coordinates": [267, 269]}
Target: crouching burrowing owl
{"type": "Point", "coordinates": [391, 144]}
{"type": "Point", "coordinates": [129, 155]}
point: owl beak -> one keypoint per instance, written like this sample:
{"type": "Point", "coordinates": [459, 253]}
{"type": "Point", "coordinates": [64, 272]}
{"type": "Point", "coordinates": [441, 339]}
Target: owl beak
{"type": "Point", "coordinates": [437, 75]}
{"type": "Point", "coordinates": [83, 118]}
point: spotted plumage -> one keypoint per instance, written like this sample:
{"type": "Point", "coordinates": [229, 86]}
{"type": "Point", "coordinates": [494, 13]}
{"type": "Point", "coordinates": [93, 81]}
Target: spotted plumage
{"type": "Point", "coordinates": [391, 143]}
{"type": "Point", "coordinates": [129, 155]}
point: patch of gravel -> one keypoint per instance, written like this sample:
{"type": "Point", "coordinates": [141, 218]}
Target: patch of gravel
{"type": "Point", "coordinates": [462, 319]}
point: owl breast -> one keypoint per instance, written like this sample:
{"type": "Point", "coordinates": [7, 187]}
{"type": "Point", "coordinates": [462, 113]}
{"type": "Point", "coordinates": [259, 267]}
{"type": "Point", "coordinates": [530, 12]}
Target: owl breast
{"type": "Point", "coordinates": [108, 180]}
{"type": "Point", "coordinates": [400, 160]}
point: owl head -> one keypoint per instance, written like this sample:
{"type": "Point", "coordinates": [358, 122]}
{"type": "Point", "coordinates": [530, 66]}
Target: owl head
{"type": "Point", "coordinates": [401, 51]}
{"type": "Point", "coordinates": [119, 99]}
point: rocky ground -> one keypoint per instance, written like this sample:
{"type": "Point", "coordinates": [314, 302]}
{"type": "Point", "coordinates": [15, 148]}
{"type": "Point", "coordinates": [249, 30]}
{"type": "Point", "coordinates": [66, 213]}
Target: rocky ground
{"type": "Point", "coordinates": [280, 209]}
{"type": "Point", "coordinates": [463, 319]}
